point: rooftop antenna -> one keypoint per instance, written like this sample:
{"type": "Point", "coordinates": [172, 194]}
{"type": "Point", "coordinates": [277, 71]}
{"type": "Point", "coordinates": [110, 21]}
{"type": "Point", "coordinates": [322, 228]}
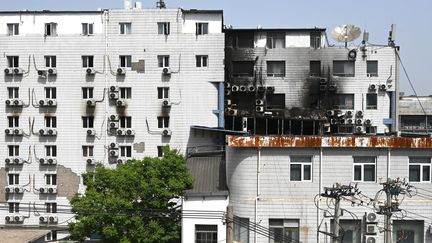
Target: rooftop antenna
{"type": "Point", "coordinates": [345, 33]}
{"type": "Point", "coordinates": [160, 4]}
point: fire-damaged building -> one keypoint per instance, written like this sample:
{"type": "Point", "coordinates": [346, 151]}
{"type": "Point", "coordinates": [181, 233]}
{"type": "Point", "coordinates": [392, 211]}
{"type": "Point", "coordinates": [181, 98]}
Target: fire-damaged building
{"type": "Point", "coordinates": [293, 82]}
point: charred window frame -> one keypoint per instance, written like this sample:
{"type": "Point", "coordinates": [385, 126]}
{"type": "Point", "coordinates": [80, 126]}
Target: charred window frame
{"type": "Point", "coordinates": [344, 68]}
{"type": "Point", "coordinates": [276, 69]}
{"type": "Point", "coordinates": [372, 68]}
{"type": "Point", "coordinates": [315, 39]}
{"type": "Point", "coordinates": [315, 68]}
{"type": "Point", "coordinates": [243, 68]}
{"type": "Point", "coordinates": [275, 40]}
{"type": "Point", "coordinates": [371, 101]}
{"type": "Point", "coordinates": [244, 40]}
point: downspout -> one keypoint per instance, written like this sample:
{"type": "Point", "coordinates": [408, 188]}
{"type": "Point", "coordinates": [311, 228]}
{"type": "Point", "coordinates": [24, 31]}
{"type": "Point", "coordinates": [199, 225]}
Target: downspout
{"type": "Point", "coordinates": [388, 162]}
{"type": "Point", "coordinates": [257, 191]}
{"type": "Point", "coordinates": [221, 104]}
{"type": "Point", "coordinates": [319, 191]}
{"type": "Point", "coordinates": [105, 72]}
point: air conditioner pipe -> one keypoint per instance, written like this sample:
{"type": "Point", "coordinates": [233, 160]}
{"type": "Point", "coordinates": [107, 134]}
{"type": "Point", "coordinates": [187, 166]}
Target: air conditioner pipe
{"type": "Point", "coordinates": [29, 159]}
{"type": "Point", "coordinates": [150, 131]}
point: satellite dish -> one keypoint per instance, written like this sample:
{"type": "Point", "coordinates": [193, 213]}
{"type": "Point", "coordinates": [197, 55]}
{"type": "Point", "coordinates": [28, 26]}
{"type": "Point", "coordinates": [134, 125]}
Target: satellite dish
{"type": "Point", "coordinates": [345, 33]}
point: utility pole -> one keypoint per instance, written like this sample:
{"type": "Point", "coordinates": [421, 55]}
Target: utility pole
{"type": "Point", "coordinates": [230, 225]}
{"type": "Point", "coordinates": [336, 228]}
{"type": "Point", "coordinates": [391, 188]}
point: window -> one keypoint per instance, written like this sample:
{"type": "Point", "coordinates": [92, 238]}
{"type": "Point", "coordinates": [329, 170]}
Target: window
{"type": "Point", "coordinates": [50, 121]}
{"type": "Point", "coordinates": [125, 28]}
{"type": "Point", "coordinates": [13, 61]}
{"type": "Point", "coordinates": [125, 122]}
{"type": "Point", "coordinates": [206, 233]}
{"type": "Point", "coordinates": [13, 207]}
{"type": "Point", "coordinates": [372, 68]}
{"type": "Point", "coordinates": [126, 151]}
{"type": "Point", "coordinates": [51, 29]}
{"type": "Point", "coordinates": [13, 121]}
{"type": "Point", "coordinates": [163, 121]}
{"type": "Point", "coordinates": [244, 40]}
{"type": "Point", "coordinates": [344, 101]}
{"type": "Point", "coordinates": [364, 168]}
{"type": "Point", "coordinates": [315, 68]}
{"type": "Point", "coordinates": [160, 151]}
{"type": "Point", "coordinates": [13, 150]}
{"type": "Point", "coordinates": [352, 230]}
{"type": "Point", "coordinates": [163, 92]}
{"type": "Point", "coordinates": [201, 28]}
{"type": "Point", "coordinates": [87, 151]}
{"type": "Point", "coordinates": [13, 179]}
{"type": "Point", "coordinates": [125, 61]}
{"type": "Point", "coordinates": [371, 101]}
{"type": "Point", "coordinates": [87, 61]}
{"type": "Point", "coordinates": [284, 230]}
{"type": "Point", "coordinates": [275, 68]}
{"type": "Point", "coordinates": [275, 40]}
{"type": "Point", "coordinates": [51, 236]}
{"type": "Point", "coordinates": [50, 61]}
{"type": "Point", "coordinates": [51, 179]}
{"type": "Point", "coordinates": [301, 168]}
{"type": "Point", "coordinates": [419, 169]}
{"type": "Point", "coordinates": [409, 231]}
{"type": "Point", "coordinates": [50, 93]}
{"type": "Point", "coordinates": [87, 28]}
{"type": "Point", "coordinates": [241, 230]}
{"type": "Point", "coordinates": [243, 69]}
{"type": "Point", "coordinates": [163, 28]}
{"type": "Point", "coordinates": [201, 61]}
{"type": "Point", "coordinates": [87, 92]}
{"type": "Point", "coordinates": [343, 68]}
{"type": "Point", "coordinates": [315, 40]}
{"type": "Point", "coordinates": [51, 207]}
{"type": "Point", "coordinates": [125, 93]}
{"type": "Point", "coordinates": [88, 121]}
{"type": "Point", "coordinates": [13, 29]}
{"type": "Point", "coordinates": [51, 150]}
{"type": "Point", "coordinates": [163, 61]}
{"type": "Point", "coordinates": [13, 92]}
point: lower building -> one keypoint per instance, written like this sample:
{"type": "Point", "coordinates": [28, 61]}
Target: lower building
{"type": "Point", "coordinates": [277, 187]}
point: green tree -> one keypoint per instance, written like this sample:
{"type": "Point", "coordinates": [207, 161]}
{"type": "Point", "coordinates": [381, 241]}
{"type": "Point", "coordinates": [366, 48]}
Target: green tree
{"type": "Point", "coordinates": [134, 202]}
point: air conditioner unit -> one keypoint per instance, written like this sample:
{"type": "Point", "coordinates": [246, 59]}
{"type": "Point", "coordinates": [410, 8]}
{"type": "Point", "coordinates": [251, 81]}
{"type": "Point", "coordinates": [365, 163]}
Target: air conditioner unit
{"type": "Point", "coordinates": [372, 87]}
{"type": "Point", "coordinates": [113, 117]}
{"type": "Point", "coordinates": [330, 113]}
{"type": "Point", "coordinates": [259, 102]}
{"type": "Point", "coordinates": [259, 108]}
{"type": "Point", "coordinates": [342, 121]}
{"type": "Point", "coordinates": [166, 103]}
{"type": "Point", "coordinates": [14, 131]}
{"type": "Point", "coordinates": [359, 121]}
{"type": "Point", "coordinates": [371, 239]}
{"type": "Point", "coordinates": [14, 160]}
{"type": "Point", "coordinates": [113, 95]}
{"type": "Point", "coordinates": [323, 87]}
{"type": "Point", "coordinates": [270, 89]}
{"type": "Point", "coordinates": [9, 218]}
{"type": "Point", "coordinates": [121, 160]}
{"type": "Point", "coordinates": [349, 113]}
{"type": "Point", "coordinates": [114, 88]}
{"type": "Point", "coordinates": [51, 160]}
{"type": "Point", "coordinates": [327, 129]}
{"type": "Point", "coordinates": [333, 121]}
{"type": "Point", "coordinates": [368, 122]}
{"type": "Point", "coordinates": [91, 102]}
{"type": "Point", "coordinates": [359, 114]}
{"type": "Point", "coordinates": [90, 71]}
{"type": "Point", "coordinates": [166, 71]}
{"type": "Point", "coordinates": [130, 132]}
{"type": "Point", "coordinates": [382, 87]}
{"type": "Point", "coordinates": [53, 219]}
{"type": "Point", "coordinates": [227, 92]}
{"type": "Point", "coordinates": [121, 71]}
{"type": "Point", "coordinates": [9, 189]}
{"type": "Point", "coordinates": [52, 71]}
{"type": "Point", "coordinates": [243, 88]}
{"type": "Point", "coordinates": [261, 89]}
{"type": "Point", "coordinates": [228, 102]}
{"type": "Point", "coordinates": [121, 103]}
{"type": "Point", "coordinates": [43, 190]}
{"type": "Point", "coordinates": [52, 190]}
{"type": "Point", "coordinates": [231, 112]}
{"type": "Point", "coordinates": [113, 145]}
{"type": "Point", "coordinates": [372, 229]}
{"type": "Point", "coordinates": [48, 102]}
{"type": "Point", "coordinates": [235, 88]}
{"type": "Point", "coordinates": [8, 71]}
{"type": "Point", "coordinates": [18, 71]}
{"type": "Point", "coordinates": [113, 153]}
{"type": "Point", "coordinates": [323, 81]}
{"type": "Point", "coordinates": [166, 132]}
{"type": "Point", "coordinates": [48, 132]}
{"type": "Point", "coordinates": [90, 161]}
{"type": "Point", "coordinates": [121, 132]}
{"type": "Point", "coordinates": [14, 102]}
{"type": "Point", "coordinates": [18, 189]}
{"type": "Point", "coordinates": [91, 132]}
{"type": "Point", "coordinates": [251, 88]}
{"type": "Point", "coordinates": [371, 218]}
{"type": "Point", "coordinates": [42, 73]}
{"type": "Point", "coordinates": [113, 125]}
{"type": "Point", "coordinates": [18, 218]}
{"type": "Point", "coordinates": [332, 87]}
{"type": "Point", "coordinates": [349, 121]}
{"type": "Point", "coordinates": [227, 85]}
{"type": "Point", "coordinates": [43, 219]}
{"type": "Point", "coordinates": [359, 130]}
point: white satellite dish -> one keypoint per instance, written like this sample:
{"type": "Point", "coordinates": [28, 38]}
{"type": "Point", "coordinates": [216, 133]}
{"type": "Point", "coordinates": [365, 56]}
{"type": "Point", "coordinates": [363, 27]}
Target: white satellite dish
{"type": "Point", "coordinates": [345, 33]}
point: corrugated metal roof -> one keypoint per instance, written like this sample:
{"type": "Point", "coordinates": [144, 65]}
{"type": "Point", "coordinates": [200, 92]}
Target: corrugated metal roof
{"type": "Point", "coordinates": [209, 176]}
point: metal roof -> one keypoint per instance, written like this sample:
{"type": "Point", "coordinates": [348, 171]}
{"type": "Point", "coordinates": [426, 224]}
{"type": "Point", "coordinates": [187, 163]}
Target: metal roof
{"type": "Point", "coordinates": [49, 11]}
{"type": "Point", "coordinates": [209, 176]}
{"type": "Point", "coordinates": [202, 11]}
{"type": "Point", "coordinates": [276, 29]}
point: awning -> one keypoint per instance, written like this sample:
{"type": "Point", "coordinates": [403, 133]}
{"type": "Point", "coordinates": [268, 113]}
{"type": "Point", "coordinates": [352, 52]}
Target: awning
{"type": "Point", "coordinates": [21, 235]}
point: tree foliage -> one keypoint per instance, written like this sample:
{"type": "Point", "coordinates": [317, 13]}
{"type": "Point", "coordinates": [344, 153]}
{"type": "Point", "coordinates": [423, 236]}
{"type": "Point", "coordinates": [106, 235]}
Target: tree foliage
{"type": "Point", "coordinates": [134, 202]}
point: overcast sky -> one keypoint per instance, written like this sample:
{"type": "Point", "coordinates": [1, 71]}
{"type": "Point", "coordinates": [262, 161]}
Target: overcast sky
{"type": "Point", "coordinates": [413, 20]}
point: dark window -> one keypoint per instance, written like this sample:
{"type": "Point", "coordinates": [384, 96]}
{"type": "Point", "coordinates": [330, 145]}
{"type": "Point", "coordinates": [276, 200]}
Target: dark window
{"type": "Point", "coordinates": [244, 40]}
{"type": "Point", "coordinates": [13, 92]}
{"type": "Point", "coordinates": [243, 68]}
{"type": "Point", "coordinates": [125, 61]}
{"type": "Point", "coordinates": [241, 230]}
{"type": "Point", "coordinates": [50, 61]}
{"type": "Point", "coordinates": [201, 61]}
{"type": "Point", "coordinates": [125, 122]}
{"type": "Point", "coordinates": [301, 168]}
{"type": "Point", "coordinates": [419, 169]}
{"type": "Point", "coordinates": [13, 29]}
{"type": "Point", "coordinates": [202, 28]}
{"type": "Point", "coordinates": [163, 92]}
{"type": "Point", "coordinates": [50, 29]}
{"type": "Point", "coordinates": [284, 230]}
{"type": "Point", "coordinates": [87, 61]}
{"type": "Point", "coordinates": [125, 93]}
{"type": "Point", "coordinates": [343, 68]}
{"type": "Point", "coordinates": [87, 92]}
{"type": "Point", "coordinates": [275, 101]}
{"type": "Point", "coordinates": [50, 93]}
{"type": "Point", "coordinates": [51, 121]}
{"type": "Point", "coordinates": [206, 233]}
{"type": "Point", "coordinates": [125, 28]}
{"type": "Point", "coordinates": [13, 61]}
{"type": "Point", "coordinates": [315, 68]}
{"type": "Point", "coordinates": [88, 121]}
{"type": "Point", "coordinates": [163, 28]}
{"type": "Point", "coordinates": [126, 151]}
{"type": "Point", "coordinates": [163, 61]}
{"type": "Point", "coordinates": [344, 101]}
{"type": "Point", "coordinates": [372, 68]}
{"type": "Point", "coordinates": [275, 68]}
{"type": "Point", "coordinates": [51, 207]}
{"type": "Point", "coordinates": [163, 121]}
{"type": "Point", "coordinates": [160, 151]}
{"type": "Point", "coordinates": [13, 207]}
{"type": "Point", "coordinates": [371, 101]}
{"type": "Point", "coordinates": [87, 28]}
{"type": "Point", "coordinates": [13, 179]}
{"type": "Point", "coordinates": [364, 168]}
{"type": "Point", "coordinates": [315, 40]}
{"type": "Point", "coordinates": [13, 150]}
{"type": "Point", "coordinates": [275, 40]}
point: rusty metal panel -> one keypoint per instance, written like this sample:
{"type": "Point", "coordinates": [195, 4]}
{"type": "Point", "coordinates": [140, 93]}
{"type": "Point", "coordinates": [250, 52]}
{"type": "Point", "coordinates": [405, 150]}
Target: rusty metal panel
{"type": "Point", "coordinates": [330, 142]}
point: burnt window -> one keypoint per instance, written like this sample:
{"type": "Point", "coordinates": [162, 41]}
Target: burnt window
{"type": "Point", "coordinates": [275, 40]}
{"type": "Point", "coordinates": [244, 40]}
{"type": "Point", "coordinates": [243, 68]}
{"type": "Point", "coordinates": [343, 68]}
{"type": "Point", "coordinates": [315, 68]}
{"type": "Point", "coordinates": [344, 101]}
{"type": "Point", "coordinates": [275, 101]}
{"type": "Point", "coordinates": [315, 39]}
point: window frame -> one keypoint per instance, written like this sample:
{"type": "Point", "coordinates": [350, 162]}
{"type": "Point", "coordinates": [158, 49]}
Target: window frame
{"type": "Point", "coordinates": [88, 121]}
{"type": "Point", "coordinates": [160, 151]}
{"type": "Point", "coordinates": [14, 207]}
{"type": "Point", "coordinates": [13, 150]}
{"type": "Point", "coordinates": [50, 121]}
{"type": "Point", "coordinates": [302, 167]}
{"type": "Point", "coordinates": [13, 179]}
{"type": "Point", "coordinates": [50, 207]}
{"type": "Point", "coordinates": [87, 151]}
{"type": "Point", "coordinates": [313, 37]}
{"type": "Point", "coordinates": [13, 92]}
{"type": "Point", "coordinates": [346, 99]}
{"type": "Point", "coordinates": [125, 151]}
{"type": "Point", "coordinates": [51, 150]}
{"type": "Point", "coordinates": [87, 92]}
{"type": "Point", "coordinates": [13, 61]}
{"type": "Point", "coordinates": [362, 168]}
{"type": "Point", "coordinates": [201, 28]}
{"type": "Point", "coordinates": [163, 92]}
{"type": "Point", "coordinates": [206, 232]}
{"type": "Point", "coordinates": [125, 122]}
{"type": "Point", "coordinates": [276, 75]}
{"type": "Point", "coordinates": [273, 37]}
{"type": "Point", "coordinates": [163, 121]}
{"type": "Point", "coordinates": [51, 179]}
{"type": "Point", "coordinates": [50, 29]}
{"type": "Point", "coordinates": [163, 28]}
{"type": "Point", "coordinates": [311, 67]}
{"type": "Point", "coordinates": [13, 121]}
{"type": "Point", "coordinates": [285, 226]}
{"type": "Point", "coordinates": [125, 28]}
{"type": "Point", "coordinates": [368, 68]}
{"type": "Point", "coordinates": [87, 61]}
{"type": "Point", "coordinates": [125, 92]}
{"type": "Point", "coordinates": [201, 61]}
{"type": "Point", "coordinates": [13, 29]}
{"type": "Point", "coordinates": [50, 61]}
{"type": "Point", "coordinates": [163, 61]}
{"type": "Point", "coordinates": [86, 28]}
{"type": "Point", "coordinates": [50, 93]}
{"type": "Point", "coordinates": [125, 61]}
{"type": "Point", "coordinates": [421, 165]}
{"type": "Point", "coordinates": [368, 105]}
{"type": "Point", "coordinates": [344, 62]}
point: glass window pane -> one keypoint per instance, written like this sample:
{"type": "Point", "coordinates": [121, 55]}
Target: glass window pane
{"type": "Point", "coordinates": [414, 172]}
{"type": "Point", "coordinates": [357, 173]}
{"type": "Point", "coordinates": [426, 173]}
{"type": "Point", "coordinates": [369, 173]}
{"type": "Point", "coordinates": [295, 173]}
{"type": "Point", "coordinates": [307, 173]}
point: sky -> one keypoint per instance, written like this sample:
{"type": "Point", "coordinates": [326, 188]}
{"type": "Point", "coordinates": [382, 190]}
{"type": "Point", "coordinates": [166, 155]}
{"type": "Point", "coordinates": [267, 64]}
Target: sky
{"type": "Point", "coordinates": [412, 18]}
